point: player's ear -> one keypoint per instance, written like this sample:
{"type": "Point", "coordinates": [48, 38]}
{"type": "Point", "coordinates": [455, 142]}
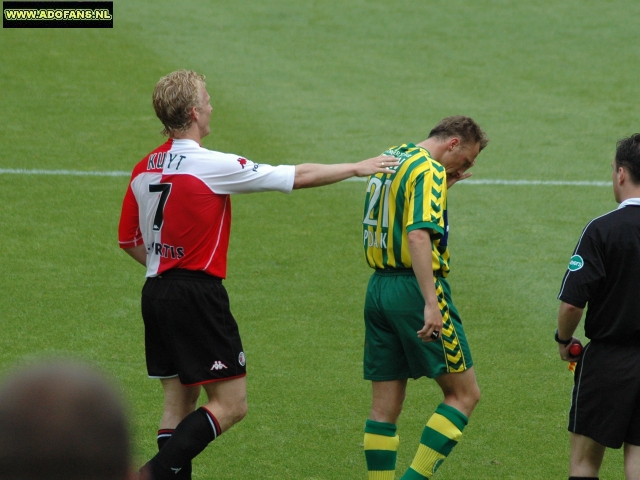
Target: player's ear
{"type": "Point", "coordinates": [622, 175]}
{"type": "Point", "coordinates": [453, 143]}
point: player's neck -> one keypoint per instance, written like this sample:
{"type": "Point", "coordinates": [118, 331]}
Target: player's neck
{"type": "Point", "coordinates": [633, 192]}
{"type": "Point", "coordinates": [188, 135]}
{"type": "Point", "coordinates": [435, 147]}
{"type": "Point", "coordinates": [193, 133]}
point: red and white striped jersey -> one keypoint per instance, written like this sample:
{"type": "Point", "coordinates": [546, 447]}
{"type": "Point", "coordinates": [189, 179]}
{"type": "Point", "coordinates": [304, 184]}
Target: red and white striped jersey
{"type": "Point", "coordinates": [177, 204]}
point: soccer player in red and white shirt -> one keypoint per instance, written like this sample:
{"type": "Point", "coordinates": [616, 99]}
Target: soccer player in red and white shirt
{"type": "Point", "coordinates": [175, 221]}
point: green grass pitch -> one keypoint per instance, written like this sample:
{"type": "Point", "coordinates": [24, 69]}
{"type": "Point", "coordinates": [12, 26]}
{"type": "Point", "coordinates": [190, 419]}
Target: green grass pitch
{"type": "Point", "coordinates": [554, 84]}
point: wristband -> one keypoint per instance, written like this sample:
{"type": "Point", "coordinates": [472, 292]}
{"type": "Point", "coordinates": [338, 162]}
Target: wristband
{"type": "Point", "coordinates": [563, 342]}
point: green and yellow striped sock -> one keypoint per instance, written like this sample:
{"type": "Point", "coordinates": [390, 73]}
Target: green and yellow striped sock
{"type": "Point", "coordinates": [442, 433]}
{"type": "Point", "coordinates": [380, 449]}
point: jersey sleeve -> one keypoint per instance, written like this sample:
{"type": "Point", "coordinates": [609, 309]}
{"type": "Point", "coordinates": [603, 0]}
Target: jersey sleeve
{"type": "Point", "coordinates": [233, 174]}
{"type": "Point", "coordinates": [586, 270]}
{"type": "Point", "coordinates": [427, 201]}
{"type": "Point", "coordinates": [129, 233]}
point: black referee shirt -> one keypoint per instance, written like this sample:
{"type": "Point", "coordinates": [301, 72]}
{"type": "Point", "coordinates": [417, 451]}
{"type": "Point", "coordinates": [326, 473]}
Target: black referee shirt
{"type": "Point", "coordinates": [604, 272]}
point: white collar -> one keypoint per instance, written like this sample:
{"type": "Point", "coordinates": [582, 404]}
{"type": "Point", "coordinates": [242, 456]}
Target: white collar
{"type": "Point", "coordinates": [630, 201]}
{"type": "Point", "coordinates": [184, 140]}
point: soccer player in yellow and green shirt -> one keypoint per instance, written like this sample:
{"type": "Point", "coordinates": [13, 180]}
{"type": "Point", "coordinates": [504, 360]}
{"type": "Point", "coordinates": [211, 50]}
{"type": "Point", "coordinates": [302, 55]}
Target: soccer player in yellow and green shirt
{"type": "Point", "coordinates": [412, 327]}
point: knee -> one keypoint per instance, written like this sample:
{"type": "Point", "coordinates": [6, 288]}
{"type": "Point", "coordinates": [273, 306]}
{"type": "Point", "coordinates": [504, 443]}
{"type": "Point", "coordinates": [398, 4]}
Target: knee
{"type": "Point", "coordinates": [387, 412]}
{"type": "Point", "coordinates": [470, 396]}
{"type": "Point", "coordinates": [191, 398]}
{"type": "Point", "coordinates": [474, 395]}
{"type": "Point", "coordinates": [239, 411]}
{"type": "Point", "coordinates": [464, 399]}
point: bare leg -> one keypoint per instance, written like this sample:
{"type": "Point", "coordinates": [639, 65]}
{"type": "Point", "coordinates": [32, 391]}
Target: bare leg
{"type": "Point", "coordinates": [460, 390]}
{"type": "Point", "coordinates": [179, 401]}
{"type": "Point", "coordinates": [380, 439]}
{"type": "Point", "coordinates": [632, 461]}
{"type": "Point", "coordinates": [226, 406]}
{"type": "Point", "coordinates": [586, 456]}
{"type": "Point", "coordinates": [461, 395]}
{"type": "Point", "coordinates": [227, 401]}
{"type": "Point", "coordinates": [388, 398]}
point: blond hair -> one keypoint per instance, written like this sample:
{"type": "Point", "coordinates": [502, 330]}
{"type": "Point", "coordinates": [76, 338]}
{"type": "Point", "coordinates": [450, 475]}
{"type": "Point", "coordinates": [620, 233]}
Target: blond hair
{"type": "Point", "coordinates": [174, 97]}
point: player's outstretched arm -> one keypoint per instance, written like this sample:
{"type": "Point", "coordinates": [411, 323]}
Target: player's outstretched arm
{"type": "Point", "coordinates": [317, 174]}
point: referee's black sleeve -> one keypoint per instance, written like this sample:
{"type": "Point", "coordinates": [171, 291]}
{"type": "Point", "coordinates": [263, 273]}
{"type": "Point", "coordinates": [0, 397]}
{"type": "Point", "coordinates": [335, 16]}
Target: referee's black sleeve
{"type": "Point", "coordinates": [586, 271]}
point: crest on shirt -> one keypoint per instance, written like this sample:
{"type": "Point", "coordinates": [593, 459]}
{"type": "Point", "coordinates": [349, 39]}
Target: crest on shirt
{"type": "Point", "coordinates": [576, 263]}
{"type": "Point", "coordinates": [242, 162]}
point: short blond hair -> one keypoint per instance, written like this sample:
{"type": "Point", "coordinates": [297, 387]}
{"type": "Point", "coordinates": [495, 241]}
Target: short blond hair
{"type": "Point", "coordinates": [174, 97]}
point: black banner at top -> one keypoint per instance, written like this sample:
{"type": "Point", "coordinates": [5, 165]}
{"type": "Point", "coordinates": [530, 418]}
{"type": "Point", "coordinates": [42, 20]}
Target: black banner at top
{"type": "Point", "coordinates": [57, 14]}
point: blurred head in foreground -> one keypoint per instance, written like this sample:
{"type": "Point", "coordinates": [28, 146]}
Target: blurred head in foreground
{"type": "Point", "coordinates": [62, 420]}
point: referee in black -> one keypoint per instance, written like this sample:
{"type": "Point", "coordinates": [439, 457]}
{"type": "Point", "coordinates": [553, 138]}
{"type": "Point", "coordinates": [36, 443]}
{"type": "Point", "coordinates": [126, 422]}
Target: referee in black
{"type": "Point", "coordinates": [604, 272]}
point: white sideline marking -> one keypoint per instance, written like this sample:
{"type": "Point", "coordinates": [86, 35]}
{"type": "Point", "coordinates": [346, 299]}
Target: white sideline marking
{"type": "Point", "coordinates": [471, 181]}
{"type": "Point", "coordinates": [579, 183]}
{"type": "Point", "coordinates": [79, 173]}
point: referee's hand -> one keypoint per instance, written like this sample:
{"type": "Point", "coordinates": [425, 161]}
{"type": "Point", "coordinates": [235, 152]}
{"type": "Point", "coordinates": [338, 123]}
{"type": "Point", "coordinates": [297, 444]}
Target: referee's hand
{"type": "Point", "coordinates": [563, 350]}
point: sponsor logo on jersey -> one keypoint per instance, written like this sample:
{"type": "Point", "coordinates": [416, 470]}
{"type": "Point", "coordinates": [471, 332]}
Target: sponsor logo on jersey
{"type": "Point", "coordinates": [576, 263]}
{"type": "Point", "coordinates": [242, 162]}
{"type": "Point", "coordinates": [218, 365]}
{"type": "Point", "coordinates": [166, 251]}
{"type": "Point", "coordinates": [241, 360]}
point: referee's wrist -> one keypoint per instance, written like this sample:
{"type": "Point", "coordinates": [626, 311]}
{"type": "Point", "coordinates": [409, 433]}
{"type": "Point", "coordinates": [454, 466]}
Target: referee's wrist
{"type": "Point", "coordinates": [563, 342]}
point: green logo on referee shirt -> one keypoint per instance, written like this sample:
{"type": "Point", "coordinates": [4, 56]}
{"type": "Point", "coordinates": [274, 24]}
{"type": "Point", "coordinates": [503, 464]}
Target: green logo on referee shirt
{"type": "Point", "coordinates": [576, 263]}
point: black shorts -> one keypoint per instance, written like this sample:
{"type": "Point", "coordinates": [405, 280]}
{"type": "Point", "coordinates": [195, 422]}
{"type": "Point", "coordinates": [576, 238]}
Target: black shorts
{"type": "Point", "coordinates": [605, 403]}
{"type": "Point", "coordinates": [189, 330]}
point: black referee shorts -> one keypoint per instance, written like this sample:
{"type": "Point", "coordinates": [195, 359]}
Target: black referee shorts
{"type": "Point", "coordinates": [189, 330]}
{"type": "Point", "coordinates": [605, 403]}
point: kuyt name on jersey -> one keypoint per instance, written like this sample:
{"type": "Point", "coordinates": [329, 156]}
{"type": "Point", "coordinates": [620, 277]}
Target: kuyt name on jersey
{"type": "Point", "coordinates": [193, 234]}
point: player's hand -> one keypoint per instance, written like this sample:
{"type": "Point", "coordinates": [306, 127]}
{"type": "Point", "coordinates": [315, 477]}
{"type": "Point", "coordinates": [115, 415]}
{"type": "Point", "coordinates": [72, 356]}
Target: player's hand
{"type": "Point", "coordinates": [564, 351]}
{"type": "Point", "coordinates": [455, 177]}
{"type": "Point", "coordinates": [432, 323]}
{"type": "Point", "coordinates": [379, 164]}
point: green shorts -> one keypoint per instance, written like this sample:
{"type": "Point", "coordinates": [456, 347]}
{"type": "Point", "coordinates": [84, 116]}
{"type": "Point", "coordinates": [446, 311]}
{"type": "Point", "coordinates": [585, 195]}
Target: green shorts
{"type": "Point", "coordinates": [393, 314]}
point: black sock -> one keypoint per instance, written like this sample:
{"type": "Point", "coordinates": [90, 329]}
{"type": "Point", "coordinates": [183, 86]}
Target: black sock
{"type": "Point", "coordinates": [163, 437]}
{"type": "Point", "coordinates": [190, 437]}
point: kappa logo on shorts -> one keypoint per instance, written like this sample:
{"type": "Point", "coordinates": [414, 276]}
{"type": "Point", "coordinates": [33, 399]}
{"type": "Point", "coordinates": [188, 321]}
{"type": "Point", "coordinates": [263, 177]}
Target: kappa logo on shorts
{"type": "Point", "coordinates": [218, 365]}
{"type": "Point", "coordinates": [242, 162]}
{"type": "Point", "coordinates": [241, 360]}
{"type": "Point", "coordinates": [576, 263]}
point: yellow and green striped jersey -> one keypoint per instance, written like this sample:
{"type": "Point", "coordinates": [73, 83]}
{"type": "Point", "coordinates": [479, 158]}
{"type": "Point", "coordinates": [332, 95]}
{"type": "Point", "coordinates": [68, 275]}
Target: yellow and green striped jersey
{"type": "Point", "coordinates": [414, 197]}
